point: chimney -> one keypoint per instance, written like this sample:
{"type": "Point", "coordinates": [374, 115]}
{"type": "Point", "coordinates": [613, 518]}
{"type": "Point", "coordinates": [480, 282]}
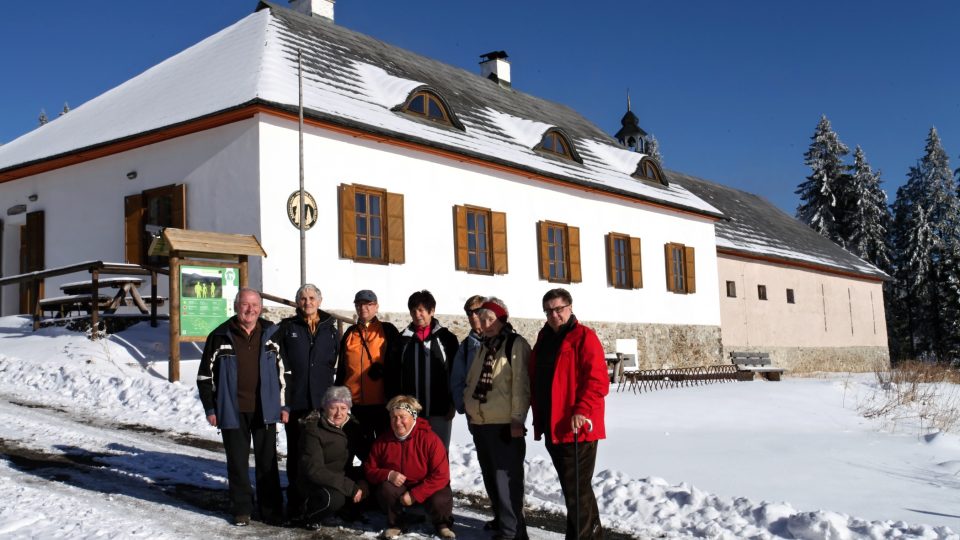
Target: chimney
{"type": "Point", "coordinates": [496, 68]}
{"type": "Point", "coordinates": [314, 8]}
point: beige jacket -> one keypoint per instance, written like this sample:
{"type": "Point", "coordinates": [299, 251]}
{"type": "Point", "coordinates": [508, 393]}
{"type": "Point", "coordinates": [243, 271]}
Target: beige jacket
{"type": "Point", "coordinates": [509, 399]}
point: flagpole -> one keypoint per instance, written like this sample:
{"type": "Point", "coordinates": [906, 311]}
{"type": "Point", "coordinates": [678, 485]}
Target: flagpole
{"type": "Point", "coordinates": [302, 214]}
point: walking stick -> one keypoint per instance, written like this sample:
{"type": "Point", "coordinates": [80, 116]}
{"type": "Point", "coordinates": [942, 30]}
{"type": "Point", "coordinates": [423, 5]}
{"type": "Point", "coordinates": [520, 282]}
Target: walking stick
{"type": "Point", "coordinates": [576, 473]}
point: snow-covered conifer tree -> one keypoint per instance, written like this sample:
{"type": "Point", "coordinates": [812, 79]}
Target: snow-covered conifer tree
{"type": "Point", "coordinates": [927, 248]}
{"type": "Point", "coordinates": [652, 149]}
{"type": "Point", "coordinates": [866, 217]}
{"type": "Point", "coordinates": [43, 117]}
{"type": "Point", "coordinates": [818, 198]}
{"type": "Point", "coordinates": [66, 109]}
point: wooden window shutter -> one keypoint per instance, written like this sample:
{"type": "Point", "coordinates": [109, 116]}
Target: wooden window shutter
{"type": "Point", "coordinates": [690, 274]}
{"type": "Point", "coordinates": [133, 223]}
{"type": "Point", "coordinates": [636, 270]}
{"type": "Point", "coordinates": [611, 260]}
{"type": "Point", "coordinates": [498, 222]}
{"type": "Point", "coordinates": [395, 246]}
{"type": "Point", "coordinates": [461, 255]}
{"type": "Point", "coordinates": [542, 248]}
{"type": "Point", "coordinates": [178, 206]}
{"type": "Point", "coordinates": [669, 263]}
{"type": "Point", "coordinates": [573, 243]}
{"type": "Point", "coordinates": [348, 222]}
{"type": "Point", "coordinates": [32, 250]}
{"type": "Point", "coordinates": [35, 241]}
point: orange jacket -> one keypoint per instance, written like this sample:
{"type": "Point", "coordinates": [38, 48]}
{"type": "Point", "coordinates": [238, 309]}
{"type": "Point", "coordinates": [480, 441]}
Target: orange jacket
{"type": "Point", "coordinates": [364, 352]}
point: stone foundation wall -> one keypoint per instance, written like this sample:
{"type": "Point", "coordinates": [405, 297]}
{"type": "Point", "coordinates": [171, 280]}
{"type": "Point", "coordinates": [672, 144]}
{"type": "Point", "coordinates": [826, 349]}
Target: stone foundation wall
{"type": "Point", "coordinates": [804, 360]}
{"type": "Point", "coordinates": [659, 345]}
{"type": "Point", "coordinates": [671, 345]}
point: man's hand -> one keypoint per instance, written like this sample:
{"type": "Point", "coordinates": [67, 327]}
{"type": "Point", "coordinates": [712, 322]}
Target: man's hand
{"type": "Point", "coordinates": [212, 420]}
{"type": "Point", "coordinates": [516, 429]}
{"type": "Point", "coordinates": [406, 499]}
{"type": "Point", "coordinates": [396, 478]}
{"type": "Point", "coordinates": [284, 417]}
{"type": "Point", "coordinates": [577, 421]}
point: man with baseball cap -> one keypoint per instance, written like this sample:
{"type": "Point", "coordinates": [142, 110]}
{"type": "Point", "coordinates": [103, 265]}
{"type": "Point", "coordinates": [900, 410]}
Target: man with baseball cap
{"type": "Point", "coordinates": [362, 364]}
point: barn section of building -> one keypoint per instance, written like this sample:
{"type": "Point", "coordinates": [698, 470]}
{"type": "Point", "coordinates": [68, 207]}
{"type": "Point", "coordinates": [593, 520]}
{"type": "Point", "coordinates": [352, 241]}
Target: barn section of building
{"type": "Point", "coordinates": [786, 290]}
{"type": "Point", "coordinates": [425, 176]}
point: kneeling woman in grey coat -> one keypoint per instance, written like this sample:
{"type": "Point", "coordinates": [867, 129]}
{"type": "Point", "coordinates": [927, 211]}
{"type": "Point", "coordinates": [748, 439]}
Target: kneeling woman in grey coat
{"type": "Point", "coordinates": [329, 442]}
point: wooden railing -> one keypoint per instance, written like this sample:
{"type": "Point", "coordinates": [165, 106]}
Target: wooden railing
{"type": "Point", "coordinates": [96, 269]}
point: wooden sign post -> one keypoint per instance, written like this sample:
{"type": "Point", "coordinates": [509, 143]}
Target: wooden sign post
{"type": "Point", "coordinates": [206, 271]}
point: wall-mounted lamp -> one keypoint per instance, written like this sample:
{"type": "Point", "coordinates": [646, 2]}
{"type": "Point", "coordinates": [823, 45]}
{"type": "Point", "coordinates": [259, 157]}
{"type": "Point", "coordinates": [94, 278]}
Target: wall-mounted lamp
{"type": "Point", "coordinates": [132, 175]}
{"type": "Point", "coordinates": [16, 209]}
{"type": "Point", "coordinates": [32, 198]}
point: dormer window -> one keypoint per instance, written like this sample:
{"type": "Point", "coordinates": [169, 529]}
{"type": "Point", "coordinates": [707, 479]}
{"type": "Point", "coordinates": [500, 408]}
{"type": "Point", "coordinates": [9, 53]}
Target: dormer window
{"type": "Point", "coordinates": [648, 170]}
{"type": "Point", "coordinates": [429, 106]}
{"type": "Point", "coordinates": [556, 143]}
{"type": "Point", "coordinates": [425, 103]}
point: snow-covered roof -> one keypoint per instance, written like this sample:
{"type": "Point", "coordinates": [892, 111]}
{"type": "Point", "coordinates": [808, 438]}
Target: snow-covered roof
{"type": "Point", "coordinates": [352, 80]}
{"type": "Point", "coordinates": [755, 226]}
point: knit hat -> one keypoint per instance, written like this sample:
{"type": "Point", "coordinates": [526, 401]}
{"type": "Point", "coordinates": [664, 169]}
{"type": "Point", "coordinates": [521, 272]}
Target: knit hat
{"type": "Point", "coordinates": [497, 309]}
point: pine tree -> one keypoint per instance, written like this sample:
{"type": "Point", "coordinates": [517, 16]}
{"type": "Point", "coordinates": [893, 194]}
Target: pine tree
{"type": "Point", "coordinates": [927, 247]}
{"type": "Point", "coordinates": [866, 217]}
{"type": "Point", "coordinates": [66, 109]}
{"type": "Point", "coordinates": [43, 117]}
{"type": "Point", "coordinates": [652, 149]}
{"type": "Point", "coordinates": [818, 198]}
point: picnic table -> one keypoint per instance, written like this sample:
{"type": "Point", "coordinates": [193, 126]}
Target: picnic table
{"type": "Point", "coordinates": [85, 295]}
{"type": "Point", "coordinates": [80, 296]}
{"type": "Point", "coordinates": [127, 286]}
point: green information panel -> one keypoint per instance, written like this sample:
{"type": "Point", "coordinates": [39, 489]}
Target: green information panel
{"type": "Point", "coordinates": [206, 295]}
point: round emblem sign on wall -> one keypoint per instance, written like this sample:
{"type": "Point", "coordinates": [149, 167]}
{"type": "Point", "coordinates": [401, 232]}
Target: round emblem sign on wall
{"type": "Point", "coordinates": [309, 208]}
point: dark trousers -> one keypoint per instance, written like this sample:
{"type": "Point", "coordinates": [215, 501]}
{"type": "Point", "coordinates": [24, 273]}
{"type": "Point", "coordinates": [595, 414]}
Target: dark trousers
{"type": "Point", "coordinates": [374, 421]}
{"type": "Point", "coordinates": [236, 443]}
{"type": "Point", "coordinates": [294, 431]}
{"type": "Point", "coordinates": [321, 502]}
{"type": "Point", "coordinates": [565, 457]}
{"type": "Point", "coordinates": [439, 505]}
{"type": "Point", "coordinates": [501, 466]}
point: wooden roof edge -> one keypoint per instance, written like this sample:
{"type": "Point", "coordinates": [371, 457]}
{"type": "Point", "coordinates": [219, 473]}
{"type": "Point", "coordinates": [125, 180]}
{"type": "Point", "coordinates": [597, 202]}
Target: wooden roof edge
{"type": "Point", "coordinates": [212, 242]}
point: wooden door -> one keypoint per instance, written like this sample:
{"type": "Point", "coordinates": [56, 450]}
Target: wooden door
{"type": "Point", "coordinates": [32, 251]}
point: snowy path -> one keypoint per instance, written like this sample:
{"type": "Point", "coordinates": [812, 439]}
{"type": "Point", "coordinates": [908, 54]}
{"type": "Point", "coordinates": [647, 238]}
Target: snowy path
{"type": "Point", "coordinates": [85, 477]}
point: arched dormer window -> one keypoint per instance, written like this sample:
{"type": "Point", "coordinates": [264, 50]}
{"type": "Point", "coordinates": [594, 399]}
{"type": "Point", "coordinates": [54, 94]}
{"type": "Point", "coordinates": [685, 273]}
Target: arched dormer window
{"type": "Point", "coordinates": [425, 103]}
{"type": "Point", "coordinates": [648, 170]}
{"type": "Point", "coordinates": [556, 143]}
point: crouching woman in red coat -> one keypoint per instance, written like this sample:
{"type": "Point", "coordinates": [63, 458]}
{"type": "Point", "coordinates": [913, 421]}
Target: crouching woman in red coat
{"type": "Point", "coordinates": [408, 465]}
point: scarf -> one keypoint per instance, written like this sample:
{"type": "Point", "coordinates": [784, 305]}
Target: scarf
{"type": "Point", "coordinates": [490, 347]}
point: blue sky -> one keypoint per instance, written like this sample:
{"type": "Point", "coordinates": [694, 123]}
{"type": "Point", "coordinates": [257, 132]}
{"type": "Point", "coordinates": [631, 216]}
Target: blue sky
{"type": "Point", "coordinates": [732, 90]}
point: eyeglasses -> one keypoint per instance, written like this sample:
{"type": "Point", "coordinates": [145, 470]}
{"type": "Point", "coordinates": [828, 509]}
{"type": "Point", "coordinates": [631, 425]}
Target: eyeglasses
{"type": "Point", "coordinates": [471, 312]}
{"type": "Point", "coordinates": [556, 311]}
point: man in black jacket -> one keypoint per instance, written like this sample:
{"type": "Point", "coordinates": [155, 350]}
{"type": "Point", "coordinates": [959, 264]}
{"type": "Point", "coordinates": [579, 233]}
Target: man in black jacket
{"type": "Point", "coordinates": [240, 381]}
{"type": "Point", "coordinates": [308, 343]}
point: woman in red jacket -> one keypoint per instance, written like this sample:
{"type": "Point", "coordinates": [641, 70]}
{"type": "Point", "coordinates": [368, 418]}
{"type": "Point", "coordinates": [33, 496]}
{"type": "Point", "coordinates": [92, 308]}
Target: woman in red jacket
{"type": "Point", "coordinates": [408, 465]}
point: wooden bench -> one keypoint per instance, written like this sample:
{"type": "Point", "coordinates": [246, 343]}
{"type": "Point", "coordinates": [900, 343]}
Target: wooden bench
{"type": "Point", "coordinates": [750, 363]}
{"type": "Point", "coordinates": [61, 306]}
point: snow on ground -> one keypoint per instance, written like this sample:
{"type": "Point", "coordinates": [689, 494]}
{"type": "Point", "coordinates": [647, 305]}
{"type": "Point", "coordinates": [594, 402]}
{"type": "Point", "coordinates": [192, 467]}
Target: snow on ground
{"type": "Point", "coordinates": [735, 460]}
